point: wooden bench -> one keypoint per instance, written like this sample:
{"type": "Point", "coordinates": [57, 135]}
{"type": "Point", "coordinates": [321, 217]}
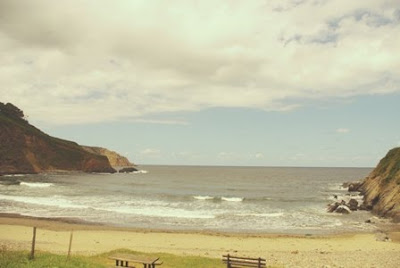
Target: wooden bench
{"type": "Point", "coordinates": [235, 262]}
{"type": "Point", "coordinates": [126, 260]}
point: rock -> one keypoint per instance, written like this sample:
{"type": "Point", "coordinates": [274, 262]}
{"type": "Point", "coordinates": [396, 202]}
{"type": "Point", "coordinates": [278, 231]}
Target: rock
{"type": "Point", "coordinates": [101, 165]}
{"type": "Point", "coordinates": [115, 159]}
{"type": "Point", "coordinates": [30, 151]}
{"type": "Point", "coordinates": [332, 207]}
{"type": "Point", "coordinates": [381, 188]}
{"type": "Point", "coordinates": [353, 204]}
{"type": "Point", "coordinates": [354, 187]}
{"type": "Point", "coordinates": [343, 209]}
{"type": "Point", "coordinates": [127, 170]}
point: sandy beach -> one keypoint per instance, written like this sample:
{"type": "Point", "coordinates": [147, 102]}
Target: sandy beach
{"type": "Point", "coordinates": [348, 250]}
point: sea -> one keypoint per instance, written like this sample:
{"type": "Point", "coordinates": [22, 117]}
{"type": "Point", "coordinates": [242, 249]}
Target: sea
{"type": "Point", "coordinates": [281, 200]}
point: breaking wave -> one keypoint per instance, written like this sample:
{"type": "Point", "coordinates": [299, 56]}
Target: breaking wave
{"type": "Point", "coordinates": [36, 184]}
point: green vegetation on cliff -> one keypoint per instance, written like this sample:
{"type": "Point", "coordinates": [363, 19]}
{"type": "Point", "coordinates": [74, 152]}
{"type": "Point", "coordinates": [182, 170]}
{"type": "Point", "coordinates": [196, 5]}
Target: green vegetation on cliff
{"type": "Point", "coordinates": [389, 166]}
{"type": "Point", "coordinates": [26, 149]}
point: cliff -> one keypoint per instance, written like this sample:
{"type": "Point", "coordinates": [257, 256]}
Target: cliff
{"type": "Point", "coordinates": [381, 188]}
{"type": "Point", "coordinates": [115, 159]}
{"type": "Point", "coordinates": [26, 149]}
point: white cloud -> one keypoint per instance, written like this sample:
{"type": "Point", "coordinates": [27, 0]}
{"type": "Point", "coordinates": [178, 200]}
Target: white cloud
{"type": "Point", "coordinates": [342, 130]}
{"type": "Point", "coordinates": [161, 121]}
{"type": "Point", "coordinates": [259, 156]}
{"type": "Point", "coordinates": [150, 153]}
{"type": "Point", "coordinates": [90, 61]}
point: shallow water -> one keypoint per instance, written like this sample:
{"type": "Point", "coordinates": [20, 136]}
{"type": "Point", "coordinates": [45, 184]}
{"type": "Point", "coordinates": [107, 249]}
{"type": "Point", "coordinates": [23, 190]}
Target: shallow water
{"type": "Point", "coordinates": [224, 199]}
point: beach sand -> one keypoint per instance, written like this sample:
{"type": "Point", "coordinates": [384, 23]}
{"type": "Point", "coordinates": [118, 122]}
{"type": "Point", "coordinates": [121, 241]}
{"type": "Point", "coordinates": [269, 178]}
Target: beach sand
{"type": "Point", "coordinates": [347, 250]}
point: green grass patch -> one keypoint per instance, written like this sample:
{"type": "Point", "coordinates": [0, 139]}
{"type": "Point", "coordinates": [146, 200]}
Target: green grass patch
{"type": "Point", "coordinates": [20, 259]}
{"type": "Point", "coordinates": [170, 260]}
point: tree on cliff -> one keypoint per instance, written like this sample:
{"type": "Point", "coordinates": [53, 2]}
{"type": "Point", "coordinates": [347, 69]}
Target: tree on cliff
{"type": "Point", "coordinates": [10, 110]}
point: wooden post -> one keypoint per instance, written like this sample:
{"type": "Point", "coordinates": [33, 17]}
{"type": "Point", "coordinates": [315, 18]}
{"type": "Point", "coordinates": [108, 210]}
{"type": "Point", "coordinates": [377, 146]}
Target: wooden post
{"type": "Point", "coordinates": [259, 262]}
{"type": "Point", "coordinates": [70, 244]}
{"type": "Point", "coordinates": [33, 244]}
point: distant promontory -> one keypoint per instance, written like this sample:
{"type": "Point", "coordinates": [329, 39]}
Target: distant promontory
{"type": "Point", "coordinates": [24, 149]}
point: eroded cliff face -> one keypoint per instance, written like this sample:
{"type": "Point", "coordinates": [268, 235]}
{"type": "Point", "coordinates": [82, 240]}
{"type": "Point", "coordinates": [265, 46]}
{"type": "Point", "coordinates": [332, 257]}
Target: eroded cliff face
{"type": "Point", "coordinates": [26, 149]}
{"type": "Point", "coordinates": [115, 159]}
{"type": "Point", "coordinates": [382, 187]}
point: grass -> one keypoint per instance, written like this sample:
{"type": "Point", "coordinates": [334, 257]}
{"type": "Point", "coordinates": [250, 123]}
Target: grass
{"type": "Point", "coordinates": [20, 259]}
{"type": "Point", "coordinates": [389, 166]}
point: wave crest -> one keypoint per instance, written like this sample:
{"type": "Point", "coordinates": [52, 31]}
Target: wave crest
{"type": "Point", "coordinates": [36, 184]}
{"type": "Point", "coordinates": [232, 199]}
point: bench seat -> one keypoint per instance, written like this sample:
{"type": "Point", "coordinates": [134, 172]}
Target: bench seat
{"type": "Point", "coordinates": [240, 262]}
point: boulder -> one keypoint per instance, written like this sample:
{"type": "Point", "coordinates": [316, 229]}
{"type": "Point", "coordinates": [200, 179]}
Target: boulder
{"type": "Point", "coordinates": [354, 187]}
{"type": "Point", "coordinates": [353, 204]}
{"type": "Point", "coordinates": [343, 209]}
{"type": "Point", "coordinates": [332, 207]}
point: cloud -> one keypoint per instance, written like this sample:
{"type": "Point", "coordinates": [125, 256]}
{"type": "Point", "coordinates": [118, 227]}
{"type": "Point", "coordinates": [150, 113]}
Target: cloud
{"type": "Point", "coordinates": [342, 130]}
{"type": "Point", "coordinates": [259, 155]}
{"type": "Point", "coordinates": [150, 153]}
{"type": "Point", "coordinates": [92, 61]}
{"type": "Point", "coordinates": [161, 121]}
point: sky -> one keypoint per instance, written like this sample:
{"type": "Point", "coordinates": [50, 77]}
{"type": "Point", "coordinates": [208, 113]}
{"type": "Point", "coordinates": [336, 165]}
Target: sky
{"type": "Point", "coordinates": [259, 83]}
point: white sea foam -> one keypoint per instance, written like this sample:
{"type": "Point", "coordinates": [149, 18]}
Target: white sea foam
{"type": "Point", "coordinates": [36, 184]}
{"type": "Point", "coordinates": [141, 171]}
{"type": "Point", "coordinates": [232, 199]}
{"type": "Point", "coordinates": [45, 201]}
{"type": "Point", "coordinates": [14, 175]}
{"type": "Point", "coordinates": [203, 197]}
{"type": "Point", "coordinates": [166, 212]}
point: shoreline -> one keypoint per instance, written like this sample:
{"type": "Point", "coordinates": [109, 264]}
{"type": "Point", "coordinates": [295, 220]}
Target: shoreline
{"type": "Point", "coordinates": [65, 223]}
{"type": "Point", "coordinates": [346, 250]}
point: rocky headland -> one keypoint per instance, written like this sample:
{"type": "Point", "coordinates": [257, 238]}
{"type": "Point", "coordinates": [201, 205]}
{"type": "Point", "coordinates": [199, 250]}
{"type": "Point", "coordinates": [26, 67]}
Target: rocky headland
{"type": "Point", "coordinates": [379, 192]}
{"type": "Point", "coordinates": [24, 149]}
{"type": "Point", "coordinates": [381, 189]}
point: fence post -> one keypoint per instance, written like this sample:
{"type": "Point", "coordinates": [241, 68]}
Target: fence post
{"type": "Point", "coordinates": [33, 244]}
{"type": "Point", "coordinates": [70, 244]}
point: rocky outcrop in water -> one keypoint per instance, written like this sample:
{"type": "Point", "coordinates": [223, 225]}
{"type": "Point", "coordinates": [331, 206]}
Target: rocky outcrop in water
{"type": "Point", "coordinates": [381, 188]}
{"type": "Point", "coordinates": [24, 149]}
{"type": "Point", "coordinates": [127, 170]}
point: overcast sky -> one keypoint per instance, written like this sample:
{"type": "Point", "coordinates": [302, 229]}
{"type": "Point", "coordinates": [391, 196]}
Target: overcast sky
{"type": "Point", "coordinates": [285, 82]}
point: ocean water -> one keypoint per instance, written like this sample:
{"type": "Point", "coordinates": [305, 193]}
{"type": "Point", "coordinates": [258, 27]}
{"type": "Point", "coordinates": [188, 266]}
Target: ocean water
{"type": "Point", "coordinates": [222, 199]}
